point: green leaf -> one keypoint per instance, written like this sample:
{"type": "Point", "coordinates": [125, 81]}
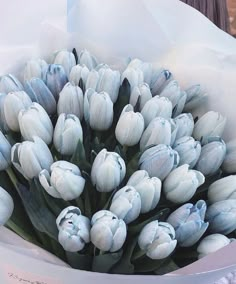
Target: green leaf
{"type": "Point", "coordinates": [104, 262]}
{"type": "Point", "coordinates": [79, 157]}
{"type": "Point", "coordinates": [74, 51]}
{"type": "Point", "coordinates": [132, 165]}
{"type": "Point", "coordinates": [168, 266]}
{"type": "Point", "coordinates": [146, 264]}
{"type": "Point", "coordinates": [79, 261]}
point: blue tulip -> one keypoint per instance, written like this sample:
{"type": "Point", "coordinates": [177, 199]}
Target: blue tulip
{"type": "Point", "coordinates": [9, 83]}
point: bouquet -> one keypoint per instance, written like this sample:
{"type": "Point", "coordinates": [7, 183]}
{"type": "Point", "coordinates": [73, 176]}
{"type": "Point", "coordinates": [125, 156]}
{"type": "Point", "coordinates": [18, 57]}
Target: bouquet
{"type": "Point", "coordinates": [110, 171]}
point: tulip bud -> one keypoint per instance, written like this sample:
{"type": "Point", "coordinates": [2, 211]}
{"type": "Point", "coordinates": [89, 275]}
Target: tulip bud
{"type": "Point", "coordinates": [143, 92]}
{"type": "Point", "coordinates": [157, 132]}
{"type": "Point", "coordinates": [87, 59]}
{"type": "Point", "coordinates": [130, 127]}
{"type": "Point", "coordinates": [35, 68]}
{"type": "Point", "coordinates": [73, 229]}
{"type": "Point", "coordinates": [188, 149]}
{"type": "Point", "coordinates": [31, 157]}
{"type": "Point", "coordinates": [98, 110]}
{"type": "Point", "coordinates": [195, 97]}
{"type": "Point", "coordinates": [159, 161]}
{"type": "Point", "coordinates": [109, 82]}
{"type": "Point", "coordinates": [34, 121]}
{"type": "Point", "coordinates": [221, 216]}
{"type": "Point", "coordinates": [39, 93]}
{"type": "Point", "coordinates": [126, 204]}
{"type": "Point", "coordinates": [174, 131]}
{"type": "Point", "coordinates": [66, 59]}
{"type": "Point", "coordinates": [3, 123]}
{"type": "Point", "coordinates": [182, 183]}
{"type": "Point", "coordinates": [148, 188]}
{"type": "Point", "coordinates": [155, 107]}
{"type": "Point", "coordinates": [185, 125]}
{"type": "Point", "coordinates": [63, 181]}
{"type": "Point", "coordinates": [222, 189]}
{"type": "Point", "coordinates": [157, 239]}
{"type": "Point", "coordinates": [71, 101]}
{"type": "Point", "coordinates": [77, 73]}
{"type": "Point", "coordinates": [55, 79]}
{"type": "Point", "coordinates": [188, 222]}
{"type": "Point", "coordinates": [145, 67]}
{"type": "Point", "coordinates": [6, 206]}
{"type": "Point", "coordinates": [9, 83]}
{"type": "Point", "coordinates": [229, 163]}
{"type": "Point", "coordinates": [211, 124]}
{"type": "Point", "coordinates": [211, 157]}
{"type": "Point", "coordinates": [134, 76]}
{"type": "Point", "coordinates": [108, 171]}
{"type": "Point", "coordinates": [92, 80]}
{"type": "Point", "coordinates": [67, 133]}
{"type": "Point", "coordinates": [160, 79]}
{"type": "Point", "coordinates": [5, 152]}
{"type": "Point", "coordinates": [13, 104]}
{"type": "Point", "coordinates": [108, 232]}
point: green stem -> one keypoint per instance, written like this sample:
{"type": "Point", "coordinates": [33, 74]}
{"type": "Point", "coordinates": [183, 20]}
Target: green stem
{"type": "Point", "coordinates": [12, 177]}
{"type": "Point", "coordinates": [138, 254]}
{"type": "Point", "coordinates": [79, 203]}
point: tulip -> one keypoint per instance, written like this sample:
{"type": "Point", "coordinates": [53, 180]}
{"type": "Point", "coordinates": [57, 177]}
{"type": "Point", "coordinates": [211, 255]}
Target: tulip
{"type": "Point", "coordinates": [108, 232]}
{"type": "Point", "coordinates": [160, 79]}
{"type": "Point", "coordinates": [188, 149]}
{"type": "Point", "coordinates": [211, 244]}
{"type": "Point", "coordinates": [108, 171]}
{"type": "Point", "coordinates": [159, 161]}
{"type": "Point", "coordinates": [66, 59]}
{"type": "Point", "coordinates": [13, 104]}
{"type": "Point", "coordinates": [34, 121]}
{"type": "Point", "coordinates": [141, 92]}
{"type": "Point", "coordinates": [73, 229]}
{"type": "Point", "coordinates": [174, 131]}
{"type": "Point", "coordinates": [134, 76]}
{"type": "Point", "coordinates": [5, 152]}
{"type": "Point", "coordinates": [188, 222]}
{"type": "Point", "coordinates": [229, 163]}
{"type": "Point", "coordinates": [155, 107]}
{"type": "Point", "coordinates": [211, 124]}
{"type": "Point", "coordinates": [211, 157]}
{"type": "Point", "coordinates": [109, 82]}
{"type": "Point", "coordinates": [71, 101]}
{"type": "Point", "coordinates": [87, 59]}
{"type": "Point", "coordinates": [148, 188]}
{"type": "Point", "coordinates": [55, 79]}
{"type": "Point", "coordinates": [157, 132]}
{"type": "Point", "coordinates": [221, 216]}
{"type": "Point", "coordinates": [39, 93]}
{"type": "Point", "coordinates": [101, 66]}
{"type": "Point", "coordinates": [130, 127]}
{"type": "Point", "coordinates": [182, 183]}
{"type": "Point", "coordinates": [222, 189]}
{"type": "Point", "coordinates": [195, 97]}
{"type": "Point", "coordinates": [9, 83]}
{"type": "Point", "coordinates": [35, 68]}
{"type": "Point", "coordinates": [31, 157]}
{"type": "Point", "coordinates": [77, 73]}
{"type": "Point", "coordinates": [185, 125]}
{"type": "Point", "coordinates": [3, 122]}
{"type": "Point", "coordinates": [145, 67]}
{"type": "Point", "coordinates": [67, 133]}
{"type": "Point", "coordinates": [92, 80]}
{"type": "Point", "coordinates": [126, 204]}
{"type": "Point", "coordinates": [157, 239]}
{"type": "Point", "coordinates": [63, 181]}
{"type": "Point", "coordinates": [98, 110]}
{"type": "Point", "coordinates": [6, 206]}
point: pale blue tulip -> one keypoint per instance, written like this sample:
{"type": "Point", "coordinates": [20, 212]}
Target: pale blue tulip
{"type": "Point", "coordinates": [142, 93]}
{"type": "Point", "coordinates": [157, 239]}
{"type": "Point", "coordinates": [92, 80]}
{"type": "Point", "coordinates": [159, 161]}
{"type": "Point", "coordinates": [35, 68]}
{"type": "Point", "coordinates": [195, 97]}
{"type": "Point", "coordinates": [71, 101]}
{"type": "Point", "coordinates": [31, 157]}
{"type": "Point", "coordinates": [229, 163]}
{"type": "Point", "coordinates": [108, 171]}
{"type": "Point", "coordinates": [9, 83]}
{"type": "Point", "coordinates": [5, 152]}
{"type": "Point", "coordinates": [134, 76]}
{"type": "Point", "coordinates": [3, 122]}
{"type": "Point", "coordinates": [39, 93]}
{"type": "Point", "coordinates": [160, 79]}
{"type": "Point", "coordinates": [74, 229]}
{"type": "Point", "coordinates": [182, 183]}
{"type": "Point", "coordinates": [87, 59]}
{"type": "Point", "coordinates": [77, 73]}
{"type": "Point", "coordinates": [188, 149]}
{"type": "Point", "coordinates": [66, 59]}
{"type": "Point", "coordinates": [63, 181]}
{"type": "Point", "coordinates": [126, 204]}
{"type": "Point", "coordinates": [108, 232]}
{"type": "Point", "coordinates": [211, 157]}
{"type": "Point", "coordinates": [174, 131]}
{"type": "Point", "coordinates": [145, 67]}
{"type": "Point", "coordinates": [67, 133]}
{"type": "Point", "coordinates": [6, 206]}
{"type": "Point", "coordinates": [188, 222]}
{"type": "Point", "coordinates": [221, 216]}
{"type": "Point", "coordinates": [185, 125]}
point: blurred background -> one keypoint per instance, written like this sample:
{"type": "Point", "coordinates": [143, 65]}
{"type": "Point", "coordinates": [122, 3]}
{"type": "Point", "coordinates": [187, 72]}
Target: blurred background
{"type": "Point", "coordinates": [232, 15]}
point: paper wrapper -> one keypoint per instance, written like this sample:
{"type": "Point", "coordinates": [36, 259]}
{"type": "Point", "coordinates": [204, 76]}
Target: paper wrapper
{"type": "Point", "coordinates": [167, 33]}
